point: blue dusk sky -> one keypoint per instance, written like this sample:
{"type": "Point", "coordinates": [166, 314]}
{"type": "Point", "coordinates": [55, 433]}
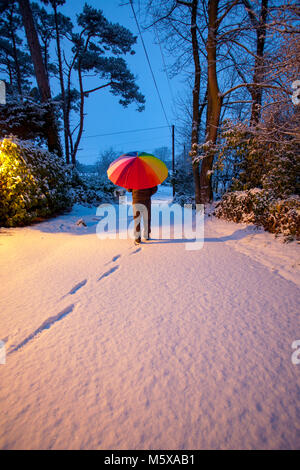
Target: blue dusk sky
{"type": "Point", "coordinates": [104, 114]}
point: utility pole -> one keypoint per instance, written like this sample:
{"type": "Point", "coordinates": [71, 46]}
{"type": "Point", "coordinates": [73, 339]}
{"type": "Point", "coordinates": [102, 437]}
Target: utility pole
{"type": "Point", "coordinates": [173, 157]}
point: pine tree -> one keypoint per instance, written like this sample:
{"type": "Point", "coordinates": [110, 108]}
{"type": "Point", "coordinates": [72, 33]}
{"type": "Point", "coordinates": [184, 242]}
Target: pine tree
{"type": "Point", "coordinates": [14, 62]}
{"type": "Point", "coordinates": [98, 48]}
{"type": "Point", "coordinates": [40, 73]}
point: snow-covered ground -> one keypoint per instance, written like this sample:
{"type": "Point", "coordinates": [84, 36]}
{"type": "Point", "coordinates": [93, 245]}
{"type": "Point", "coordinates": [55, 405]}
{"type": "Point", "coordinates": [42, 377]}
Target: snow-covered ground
{"type": "Point", "coordinates": [113, 346]}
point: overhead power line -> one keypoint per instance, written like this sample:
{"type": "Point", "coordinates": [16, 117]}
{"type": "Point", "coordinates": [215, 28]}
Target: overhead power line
{"type": "Point", "coordinates": [125, 132]}
{"type": "Point", "coordinates": [148, 60]}
{"type": "Point", "coordinates": [119, 147]}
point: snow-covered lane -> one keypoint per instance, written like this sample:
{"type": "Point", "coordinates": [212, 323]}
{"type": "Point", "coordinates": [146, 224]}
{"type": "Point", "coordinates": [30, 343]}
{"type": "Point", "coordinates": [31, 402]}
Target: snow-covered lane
{"type": "Point", "coordinates": [113, 346]}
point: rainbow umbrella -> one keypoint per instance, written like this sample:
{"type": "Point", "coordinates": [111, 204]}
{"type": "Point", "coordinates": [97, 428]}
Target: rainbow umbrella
{"type": "Point", "coordinates": [137, 170]}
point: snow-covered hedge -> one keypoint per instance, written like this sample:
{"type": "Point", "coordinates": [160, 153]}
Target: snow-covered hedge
{"type": "Point", "coordinates": [91, 190]}
{"type": "Point", "coordinates": [283, 217]}
{"type": "Point", "coordinates": [33, 183]}
{"type": "Point", "coordinates": [24, 119]}
{"type": "Point", "coordinates": [184, 191]}
{"type": "Point", "coordinates": [182, 199]}
{"type": "Point", "coordinates": [258, 206]}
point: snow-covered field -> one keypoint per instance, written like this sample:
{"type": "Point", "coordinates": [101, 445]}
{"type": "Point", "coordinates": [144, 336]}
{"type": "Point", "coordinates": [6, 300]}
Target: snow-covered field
{"type": "Point", "coordinates": [113, 346]}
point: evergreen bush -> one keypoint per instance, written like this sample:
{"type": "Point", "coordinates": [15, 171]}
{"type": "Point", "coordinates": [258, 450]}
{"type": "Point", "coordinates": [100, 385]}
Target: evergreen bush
{"type": "Point", "coordinates": [34, 183]}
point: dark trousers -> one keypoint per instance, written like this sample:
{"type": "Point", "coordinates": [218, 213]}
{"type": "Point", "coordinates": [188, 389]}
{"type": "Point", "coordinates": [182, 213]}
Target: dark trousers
{"type": "Point", "coordinates": [142, 210]}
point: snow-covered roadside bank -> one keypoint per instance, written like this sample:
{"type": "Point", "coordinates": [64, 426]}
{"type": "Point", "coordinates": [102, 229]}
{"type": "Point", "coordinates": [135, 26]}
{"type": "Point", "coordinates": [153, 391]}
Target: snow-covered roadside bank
{"type": "Point", "coordinates": [112, 346]}
{"type": "Point", "coordinates": [280, 257]}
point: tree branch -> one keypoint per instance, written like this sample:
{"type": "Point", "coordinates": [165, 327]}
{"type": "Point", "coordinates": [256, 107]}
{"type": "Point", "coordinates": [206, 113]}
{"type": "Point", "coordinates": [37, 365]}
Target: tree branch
{"type": "Point", "coordinates": [163, 17]}
{"type": "Point", "coordinates": [262, 85]}
{"type": "Point", "coordinates": [251, 13]}
{"type": "Point", "coordinates": [187, 4]}
{"type": "Point", "coordinates": [98, 88]}
{"type": "Point", "coordinates": [219, 21]}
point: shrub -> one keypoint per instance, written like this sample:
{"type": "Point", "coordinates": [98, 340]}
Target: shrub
{"type": "Point", "coordinates": [91, 189]}
{"type": "Point", "coordinates": [260, 207]}
{"type": "Point", "coordinates": [34, 183]}
{"type": "Point", "coordinates": [182, 199]}
{"type": "Point", "coordinates": [283, 217]}
{"type": "Point", "coordinates": [24, 119]}
{"type": "Point", "coordinates": [183, 181]}
{"type": "Point", "coordinates": [260, 157]}
{"type": "Point", "coordinates": [242, 206]}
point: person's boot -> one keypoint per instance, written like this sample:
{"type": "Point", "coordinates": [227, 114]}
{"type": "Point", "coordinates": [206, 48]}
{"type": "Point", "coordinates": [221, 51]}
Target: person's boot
{"type": "Point", "coordinates": [147, 235]}
{"type": "Point", "coordinates": [137, 241]}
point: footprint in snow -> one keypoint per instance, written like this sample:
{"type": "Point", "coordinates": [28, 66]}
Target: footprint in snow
{"type": "Point", "coordinates": [45, 326]}
{"type": "Point", "coordinates": [75, 288]}
{"type": "Point", "coordinates": [107, 273]}
{"type": "Point", "coordinates": [78, 286]}
{"type": "Point", "coordinates": [115, 258]}
{"type": "Point", "coordinates": [136, 251]}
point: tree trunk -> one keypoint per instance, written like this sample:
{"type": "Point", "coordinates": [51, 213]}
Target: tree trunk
{"type": "Point", "coordinates": [62, 87]}
{"type": "Point", "coordinates": [15, 54]}
{"type": "Point", "coordinates": [196, 94]}
{"type": "Point", "coordinates": [260, 27]}
{"type": "Point", "coordinates": [81, 112]}
{"type": "Point", "coordinates": [40, 73]}
{"type": "Point", "coordinates": [74, 148]}
{"type": "Point", "coordinates": [68, 109]}
{"type": "Point", "coordinates": [214, 102]}
{"type": "Point", "coordinates": [10, 72]}
{"type": "Point", "coordinates": [258, 67]}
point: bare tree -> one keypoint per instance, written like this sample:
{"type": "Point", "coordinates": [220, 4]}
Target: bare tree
{"type": "Point", "coordinates": [193, 6]}
{"type": "Point", "coordinates": [259, 24]}
{"type": "Point", "coordinates": [230, 38]}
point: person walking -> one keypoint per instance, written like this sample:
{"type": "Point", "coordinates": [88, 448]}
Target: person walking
{"type": "Point", "coordinates": [139, 173]}
{"type": "Point", "coordinates": [141, 203]}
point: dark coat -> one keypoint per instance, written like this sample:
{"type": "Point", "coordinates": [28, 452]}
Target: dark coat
{"type": "Point", "coordinates": [141, 196]}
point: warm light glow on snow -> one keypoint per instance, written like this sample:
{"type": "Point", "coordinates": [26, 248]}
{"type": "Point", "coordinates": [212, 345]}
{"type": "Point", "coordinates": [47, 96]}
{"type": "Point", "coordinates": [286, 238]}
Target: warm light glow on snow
{"type": "Point", "coordinates": [113, 346]}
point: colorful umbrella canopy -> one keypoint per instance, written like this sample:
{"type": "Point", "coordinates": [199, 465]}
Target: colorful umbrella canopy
{"type": "Point", "coordinates": [137, 170]}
